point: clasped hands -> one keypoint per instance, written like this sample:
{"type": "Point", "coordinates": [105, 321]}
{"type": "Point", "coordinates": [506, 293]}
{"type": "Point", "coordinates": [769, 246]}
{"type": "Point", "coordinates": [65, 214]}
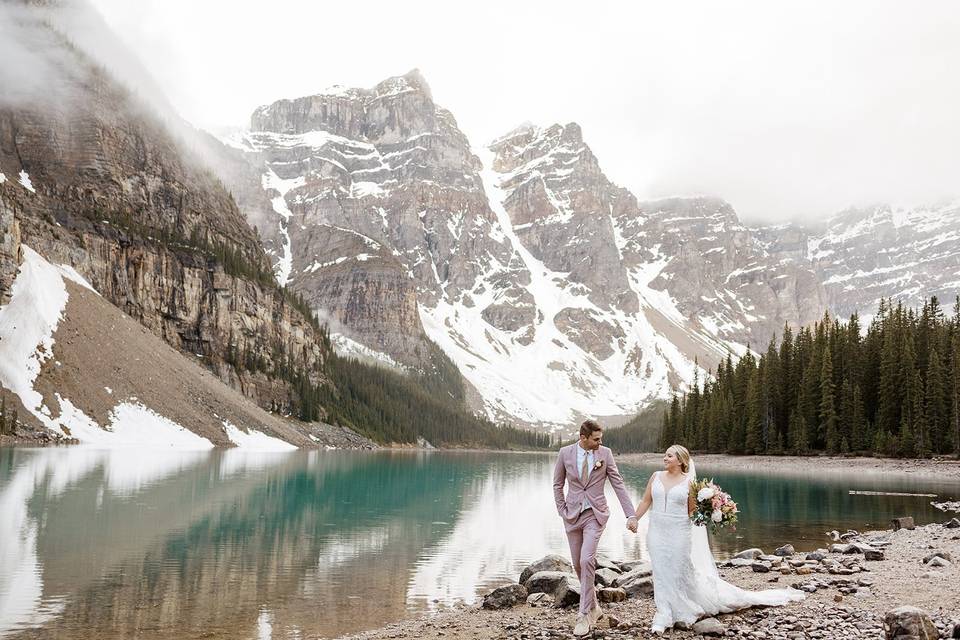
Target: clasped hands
{"type": "Point", "coordinates": [632, 523]}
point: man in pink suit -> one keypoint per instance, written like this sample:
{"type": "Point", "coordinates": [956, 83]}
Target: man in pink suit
{"type": "Point", "coordinates": [585, 466]}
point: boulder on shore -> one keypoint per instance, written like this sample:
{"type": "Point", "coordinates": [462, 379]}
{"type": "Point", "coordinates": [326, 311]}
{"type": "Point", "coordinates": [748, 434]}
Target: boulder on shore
{"type": "Point", "coordinates": [546, 581]}
{"type": "Point", "coordinates": [909, 623]}
{"type": "Point", "coordinates": [504, 597]}
{"type": "Point", "coordinates": [709, 627]}
{"type": "Point", "coordinates": [551, 562]}
{"type": "Point", "coordinates": [568, 593]}
{"type": "Point", "coordinates": [611, 594]}
{"type": "Point", "coordinates": [903, 523]}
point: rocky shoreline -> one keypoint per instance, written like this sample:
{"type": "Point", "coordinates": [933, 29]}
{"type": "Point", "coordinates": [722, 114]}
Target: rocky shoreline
{"type": "Point", "coordinates": [897, 583]}
{"type": "Point", "coordinates": [947, 468]}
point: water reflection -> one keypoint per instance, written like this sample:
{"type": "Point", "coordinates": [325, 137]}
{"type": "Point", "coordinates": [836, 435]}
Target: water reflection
{"type": "Point", "coordinates": [315, 544]}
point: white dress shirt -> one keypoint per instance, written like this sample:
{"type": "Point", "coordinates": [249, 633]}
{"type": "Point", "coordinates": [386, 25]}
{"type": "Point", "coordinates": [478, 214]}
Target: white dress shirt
{"type": "Point", "coordinates": [581, 452]}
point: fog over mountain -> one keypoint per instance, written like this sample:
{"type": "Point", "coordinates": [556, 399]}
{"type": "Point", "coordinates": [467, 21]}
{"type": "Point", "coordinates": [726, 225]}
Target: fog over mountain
{"type": "Point", "coordinates": [788, 111]}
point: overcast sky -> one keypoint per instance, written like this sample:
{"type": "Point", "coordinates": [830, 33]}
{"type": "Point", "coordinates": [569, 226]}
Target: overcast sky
{"type": "Point", "coordinates": [787, 110]}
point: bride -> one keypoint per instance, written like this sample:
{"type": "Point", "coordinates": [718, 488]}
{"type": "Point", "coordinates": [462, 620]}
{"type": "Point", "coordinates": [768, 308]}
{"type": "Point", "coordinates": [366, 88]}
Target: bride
{"type": "Point", "coordinates": [686, 584]}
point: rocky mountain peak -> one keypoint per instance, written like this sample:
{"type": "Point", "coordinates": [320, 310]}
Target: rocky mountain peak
{"type": "Point", "coordinates": [388, 113]}
{"type": "Point", "coordinates": [412, 81]}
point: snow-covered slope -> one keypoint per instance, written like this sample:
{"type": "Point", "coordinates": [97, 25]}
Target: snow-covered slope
{"type": "Point", "coordinates": [385, 208]}
{"type": "Point", "coordinates": [568, 356]}
{"type": "Point", "coordinates": [84, 370]}
{"type": "Point", "coordinates": [556, 292]}
{"type": "Point", "coordinates": [907, 254]}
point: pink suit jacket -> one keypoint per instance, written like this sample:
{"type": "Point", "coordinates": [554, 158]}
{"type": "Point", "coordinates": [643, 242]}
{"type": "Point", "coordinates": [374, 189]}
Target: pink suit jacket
{"type": "Point", "coordinates": [566, 471]}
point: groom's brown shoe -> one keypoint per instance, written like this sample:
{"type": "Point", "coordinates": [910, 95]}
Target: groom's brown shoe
{"type": "Point", "coordinates": [583, 625]}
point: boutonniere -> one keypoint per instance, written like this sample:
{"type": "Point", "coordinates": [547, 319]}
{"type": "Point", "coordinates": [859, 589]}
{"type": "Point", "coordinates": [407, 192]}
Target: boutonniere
{"type": "Point", "coordinates": [598, 464]}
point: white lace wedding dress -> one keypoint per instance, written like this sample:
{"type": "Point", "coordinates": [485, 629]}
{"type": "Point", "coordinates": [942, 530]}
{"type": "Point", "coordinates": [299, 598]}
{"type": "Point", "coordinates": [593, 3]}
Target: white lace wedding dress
{"type": "Point", "coordinates": [686, 585]}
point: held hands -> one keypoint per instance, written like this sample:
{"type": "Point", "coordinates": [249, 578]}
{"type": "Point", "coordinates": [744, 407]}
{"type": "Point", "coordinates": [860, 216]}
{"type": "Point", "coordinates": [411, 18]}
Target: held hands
{"type": "Point", "coordinates": [632, 524]}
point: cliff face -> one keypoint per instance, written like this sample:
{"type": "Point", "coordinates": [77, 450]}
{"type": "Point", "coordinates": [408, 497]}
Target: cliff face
{"type": "Point", "coordinates": [9, 245]}
{"type": "Point", "coordinates": [379, 202]}
{"type": "Point", "coordinates": [107, 189]}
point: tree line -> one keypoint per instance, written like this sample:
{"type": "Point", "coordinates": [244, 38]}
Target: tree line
{"type": "Point", "coordinates": [390, 407]}
{"type": "Point", "coordinates": [892, 390]}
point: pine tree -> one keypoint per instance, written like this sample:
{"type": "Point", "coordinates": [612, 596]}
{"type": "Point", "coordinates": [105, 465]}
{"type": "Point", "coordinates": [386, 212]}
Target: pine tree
{"type": "Point", "coordinates": [920, 430]}
{"type": "Point", "coordinates": [889, 387]}
{"type": "Point", "coordinates": [828, 407]}
{"type": "Point", "coordinates": [955, 386]}
{"type": "Point", "coordinates": [935, 404]}
{"type": "Point", "coordinates": [859, 433]}
{"type": "Point", "coordinates": [753, 440]}
{"type": "Point", "coordinates": [846, 413]}
{"type": "Point", "coordinates": [665, 435]}
{"type": "Point", "coordinates": [798, 433]}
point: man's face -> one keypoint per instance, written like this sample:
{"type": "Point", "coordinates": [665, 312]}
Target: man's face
{"type": "Point", "coordinates": [593, 441]}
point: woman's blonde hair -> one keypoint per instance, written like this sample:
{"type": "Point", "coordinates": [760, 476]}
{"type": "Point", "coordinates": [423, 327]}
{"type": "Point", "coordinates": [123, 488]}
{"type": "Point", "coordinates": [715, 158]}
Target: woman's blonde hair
{"type": "Point", "coordinates": [683, 456]}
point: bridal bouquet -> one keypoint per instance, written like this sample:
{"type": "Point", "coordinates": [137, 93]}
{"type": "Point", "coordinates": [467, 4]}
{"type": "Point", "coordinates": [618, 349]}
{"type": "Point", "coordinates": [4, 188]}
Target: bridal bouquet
{"type": "Point", "coordinates": [714, 506]}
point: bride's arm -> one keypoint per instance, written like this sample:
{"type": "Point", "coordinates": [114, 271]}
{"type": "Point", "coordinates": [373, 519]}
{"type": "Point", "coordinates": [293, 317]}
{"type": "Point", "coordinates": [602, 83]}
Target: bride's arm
{"type": "Point", "coordinates": [647, 498]}
{"type": "Point", "coordinates": [691, 504]}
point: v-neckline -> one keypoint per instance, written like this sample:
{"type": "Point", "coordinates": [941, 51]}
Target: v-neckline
{"type": "Point", "coordinates": [664, 486]}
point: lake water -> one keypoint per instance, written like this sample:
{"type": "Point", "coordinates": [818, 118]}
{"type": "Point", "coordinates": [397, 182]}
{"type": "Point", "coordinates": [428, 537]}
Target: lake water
{"type": "Point", "coordinates": [233, 544]}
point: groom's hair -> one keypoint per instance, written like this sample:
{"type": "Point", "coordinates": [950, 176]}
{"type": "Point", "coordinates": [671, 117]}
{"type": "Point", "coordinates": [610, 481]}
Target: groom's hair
{"type": "Point", "coordinates": [588, 427]}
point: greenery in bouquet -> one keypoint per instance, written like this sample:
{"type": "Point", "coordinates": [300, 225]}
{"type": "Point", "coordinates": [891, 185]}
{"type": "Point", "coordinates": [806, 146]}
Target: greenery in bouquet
{"type": "Point", "coordinates": [714, 506]}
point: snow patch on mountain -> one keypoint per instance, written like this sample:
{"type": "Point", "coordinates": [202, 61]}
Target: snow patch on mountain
{"type": "Point", "coordinates": [27, 327]}
{"type": "Point", "coordinates": [551, 379]}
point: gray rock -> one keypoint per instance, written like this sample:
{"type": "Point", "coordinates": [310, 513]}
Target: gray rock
{"type": "Point", "coordinates": [749, 554]}
{"type": "Point", "coordinates": [567, 593]}
{"type": "Point", "coordinates": [603, 562]}
{"type": "Point", "coordinates": [953, 523]}
{"type": "Point", "coordinates": [606, 577]}
{"type": "Point", "coordinates": [630, 565]}
{"type": "Point", "coordinates": [817, 555]}
{"type": "Point", "coordinates": [738, 562]}
{"type": "Point", "coordinates": [709, 627]}
{"type": "Point", "coordinates": [785, 550]}
{"type": "Point", "coordinates": [760, 567]}
{"type": "Point", "coordinates": [938, 554]}
{"type": "Point", "coordinates": [843, 548]}
{"type": "Point", "coordinates": [547, 563]}
{"type": "Point", "coordinates": [873, 554]}
{"type": "Point", "coordinates": [636, 582]}
{"type": "Point", "coordinates": [546, 581]}
{"type": "Point", "coordinates": [642, 570]}
{"type": "Point", "coordinates": [540, 600]}
{"type": "Point", "coordinates": [903, 523]}
{"type": "Point", "coordinates": [504, 597]}
{"type": "Point", "coordinates": [909, 623]}
{"type": "Point", "coordinates": [937, 561]}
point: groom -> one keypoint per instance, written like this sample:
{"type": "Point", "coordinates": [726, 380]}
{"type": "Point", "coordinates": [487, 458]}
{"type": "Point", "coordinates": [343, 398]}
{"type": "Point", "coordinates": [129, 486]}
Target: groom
{"type": "Point", "coordinates": [585, 466]}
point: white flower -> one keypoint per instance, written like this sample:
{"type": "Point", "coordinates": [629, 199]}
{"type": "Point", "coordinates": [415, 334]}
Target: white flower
{"type": "Point", "coordinates": [717, 516]}
{"type": "Point", "coordinates": [704, 494]}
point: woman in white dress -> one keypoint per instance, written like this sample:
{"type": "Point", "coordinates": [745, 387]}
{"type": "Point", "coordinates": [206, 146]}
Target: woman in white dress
{"type": "Point", "coordinates": [686, 585]}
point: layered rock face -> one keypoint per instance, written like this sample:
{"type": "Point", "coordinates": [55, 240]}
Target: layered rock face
{"type": "Point", "coordinates": [556, 292]}
{"type": "Point", "coordinates": [379, 204]}
{"type": "Point", "coordinates": [515, 265]}
{"type": "Point", "coordinates": [106, 189]}
{"type": "Point", "coordinates": [9, 245]}
{"type": "Point", "coordinates": [723, 275]}
{"type": "Point", "coordinates": [888, 252]}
